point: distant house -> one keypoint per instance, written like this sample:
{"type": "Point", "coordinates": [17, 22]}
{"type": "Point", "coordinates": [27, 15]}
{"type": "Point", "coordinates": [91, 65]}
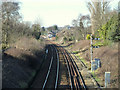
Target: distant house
{"type": "Point", "coordinates": [43, 36]}
{"type": "Point", "coordinates": [51, 34]}
{"type": "Point", "coordinates": [67, 27]}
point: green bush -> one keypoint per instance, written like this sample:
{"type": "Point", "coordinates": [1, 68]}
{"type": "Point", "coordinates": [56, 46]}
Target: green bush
{"type": "Point", "coordinates": [88, 37]}
{"type": "Point", "coordinates": [99, 43]}
{"type": "Point", "coordinates": [111, 30]}
{"type": "Point", "coordinates": [71, 38]}
{"type": "Point", "coordinates": [56, 37]}
{"type": "Point", "coordinates": [5, 46]}
{"type": "Point", "coordinates": [65, 39]}
{"type": "Point", "coordinates": [75, 52]}
{"type": "Point", "coordinates": [36, 34]}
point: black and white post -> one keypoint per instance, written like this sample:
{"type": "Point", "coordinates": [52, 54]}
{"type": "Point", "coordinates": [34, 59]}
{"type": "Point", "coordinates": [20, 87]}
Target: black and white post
{"type": "Point", "coordinates": [91, 52]}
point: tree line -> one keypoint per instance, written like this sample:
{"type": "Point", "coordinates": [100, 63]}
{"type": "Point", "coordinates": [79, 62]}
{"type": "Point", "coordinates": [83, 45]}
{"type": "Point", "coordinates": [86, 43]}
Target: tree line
{"type": "Point", "coordinates": [101, 23]}
{"type": "Point", "coordinates": [13, 26]}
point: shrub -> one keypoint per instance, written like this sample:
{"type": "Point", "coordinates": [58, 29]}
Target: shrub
{"type": "Point", "coordinates": [71, 38]}
{"type": "Point", "coordinates": [88, 37]}
{"type": "Point", "coordinates": [75, 52]}
{"type": "Point", "coordinates": [98, 43]}
{"type": "Point", "coordinates": [65, 39]}
{"type": "Point", "coordinates": [111, 30]}
{"type": "Point", "coordinates": [5, 46]}
{"type": "Point", "coordinates": [56, 37]}
{"type": "Point", "coordinates": [36, 34]}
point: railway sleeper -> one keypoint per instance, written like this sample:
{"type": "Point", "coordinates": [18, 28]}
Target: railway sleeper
{"type": "Point", "coordinates": [76, 82]}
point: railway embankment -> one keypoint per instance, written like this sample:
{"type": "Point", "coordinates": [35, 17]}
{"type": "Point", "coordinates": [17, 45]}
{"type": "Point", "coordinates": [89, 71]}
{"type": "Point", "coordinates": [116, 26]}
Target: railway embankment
{"type": "Point", "coordinates": [21, 62]}
{"type": "Point", "coordinates": [108, 56]}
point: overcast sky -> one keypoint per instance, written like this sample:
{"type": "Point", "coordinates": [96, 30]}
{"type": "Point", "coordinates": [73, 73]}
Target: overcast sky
{"type": "Point", "coordinates": [51, 12]}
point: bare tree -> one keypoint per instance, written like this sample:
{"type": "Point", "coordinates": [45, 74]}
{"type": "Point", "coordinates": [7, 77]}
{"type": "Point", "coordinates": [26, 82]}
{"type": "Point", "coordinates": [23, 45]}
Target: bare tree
{"type": "Point", "coordinates": [83, 23]}
{"type": "Point", "coordinates": [98, 10]}
{"type": "Point", "coordinates": [38, 21]}
{"type": "Point", "coordinates": [12, 25]}
{"type": "Point", "coordinates": [74, 23]}
{"type": "Point", "coordinates": [10, 16]}
{"type": "Point", "coordinates": [0, 23]}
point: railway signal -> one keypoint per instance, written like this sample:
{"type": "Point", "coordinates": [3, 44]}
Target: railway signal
{"type": "Point", "coordinates": [98, 62]}
{"type": "Point", "coordinates": [91, 51]}
{"type": "Point", "coordinates": [95, 46]}
{"type": "Point", "coordinates": [97, 38]}
{"type": "Point", "coordinates": [94, 65]}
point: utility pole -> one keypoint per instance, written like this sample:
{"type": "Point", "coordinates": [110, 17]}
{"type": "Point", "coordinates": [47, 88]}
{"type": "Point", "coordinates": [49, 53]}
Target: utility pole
{"type": "Point", "coordinates": [91, 53]}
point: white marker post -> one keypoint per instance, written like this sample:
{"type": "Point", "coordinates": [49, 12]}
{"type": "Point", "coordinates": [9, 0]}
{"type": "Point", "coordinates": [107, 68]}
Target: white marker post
{"type": "Point", "coordinates": [46, 51]}
{"type": "Point", "coordinates": [107, 79]}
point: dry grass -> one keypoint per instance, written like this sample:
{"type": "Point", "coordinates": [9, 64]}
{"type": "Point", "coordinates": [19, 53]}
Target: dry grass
{"type": "Point", "coordinates": [108, 56]}
{"type": "Point", "coordinates": [24, 57]}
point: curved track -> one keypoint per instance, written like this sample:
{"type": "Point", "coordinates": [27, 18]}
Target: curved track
{"type": "Point", "coordinates": [76, 80]}
{"type": "Point", "coordinates": [49, 76]}
{"type": "Point", "coordinates": [53, 70]}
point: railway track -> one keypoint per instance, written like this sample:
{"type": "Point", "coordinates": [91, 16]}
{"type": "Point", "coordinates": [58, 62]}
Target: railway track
{"type": "Point", "coordinates": [51, 79]}
{"type": "Point", "coordinates": [50, 76]}
{"type": "Point", "coordinates": [76, 80]}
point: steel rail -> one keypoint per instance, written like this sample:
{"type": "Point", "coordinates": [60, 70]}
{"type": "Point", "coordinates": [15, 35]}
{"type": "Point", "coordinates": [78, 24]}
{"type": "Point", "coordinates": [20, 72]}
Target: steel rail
{"type": "Point", "coordinates": [57, 67]}
{"type": "Point", "coordinates": [68, 68]}
{"type": "Point", "coordinates": [81, 78]}
{"type": "Point", "coordinates": [74, 74]}
{"type": "Point", "coordinates": [80, 61]}
{"type": "Point", "coordinates": [48, 71]}
{"type": "Point", "coordinates": [74, 82]}
{"type": "Point", "coordinates": [85, 67]}
{"type": "Point", "coordinates": [76, 78]}
{"type": "Point", "coordinates": [73, 71]}
{"type": "Point", "coordinates": [56, 81]}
